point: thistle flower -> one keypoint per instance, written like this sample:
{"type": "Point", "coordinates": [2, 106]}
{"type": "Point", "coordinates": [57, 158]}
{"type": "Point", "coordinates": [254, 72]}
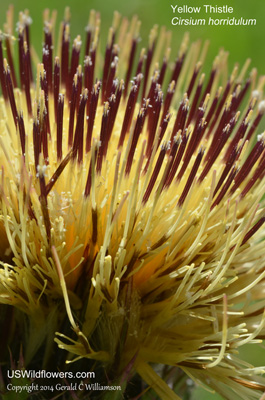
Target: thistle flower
{"type": "Point", "coordinates": [131, 208]}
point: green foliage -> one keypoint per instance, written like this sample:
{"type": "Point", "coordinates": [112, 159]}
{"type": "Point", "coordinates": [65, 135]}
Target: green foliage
{"type": "Point", "coordinates": [240, 41]}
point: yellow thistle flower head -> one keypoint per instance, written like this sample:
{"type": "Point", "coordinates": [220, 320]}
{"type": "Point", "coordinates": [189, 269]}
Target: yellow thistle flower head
{"type": "Point", "coordinates": [130, 208]}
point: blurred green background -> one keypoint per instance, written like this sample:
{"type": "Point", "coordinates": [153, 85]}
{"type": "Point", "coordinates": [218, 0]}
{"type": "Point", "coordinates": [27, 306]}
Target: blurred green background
{"type": "Point", "coordinates": [241, 42]}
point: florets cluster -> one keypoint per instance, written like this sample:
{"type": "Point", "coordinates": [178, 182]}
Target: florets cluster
{"type": "Point", "coordinates": [131, 208]}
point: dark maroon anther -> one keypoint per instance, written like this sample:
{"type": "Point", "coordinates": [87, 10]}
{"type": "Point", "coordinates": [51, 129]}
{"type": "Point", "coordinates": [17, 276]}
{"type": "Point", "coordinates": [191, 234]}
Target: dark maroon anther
{"type": "Point", "coordinates": [184, 139]}
{"type": "Point", "coordinates": [88, 79]}
{"type": "Point", "coordinates": [45, 55]}
{"type": "Point", "coordinates": [103, 136]}
{"type": "Point", "coordinates": [27, 35]}
{"type": "Point", "coordinates": [148, 62]}
{"type": "Point", "coordinates": [115, 53]}
{"type": "Point", "coordinates": [44, 203]}
{"type": "Point", "coordinates": [2, 74]}
{"type": "Point", "coordinates": [193, 79]}
{"type": "Point", "coordinates": [65, 56]}
{"type": "Point", "coordinates": [60, 106]}
{"type": "Point", "coordinates": [56, 85]}
{"type": "Point", "coordinates": [248, 164]}
{"type": "Point", "coordinates": [21, 58]}
{"type": "Point", "coordinates": [223, 121]}
{"type": "Point", "coordinates": [88, 182]}
{"type": "Point", "coordinates": [79, 87]}
{"type": "Point", "coordinates": [230, 162]}
{"type": "Point", "coordinates": [253, 230]}
{"type": "Point", "coordinates": [36, 142]}
{"type": "Point", "coordinates": [262, 174]}
{"type": "Point", "coordinates": [107, 61]}
{"type": "Point", "coordinates": [242, 93]}
{"type": "Point", "coordinates": [88, 40]}
{"type": "Point", "coordinates": [89, 177]}
{"type": "Point", "coordinates": [234, 100]}
{"type": "Point", "coordinates": [113, 88]}
{"type": "Point", "coordinates": [74, 62]}
{"type": "Point", "coordinates": [44, 135]}
{"type": "Point", "coordinates": [170, 173]}
{"type": "Point", "coordinates": [154, 88]}
{"type": "Point", "coordinates": [111, 77]}
{"type": "Point", "coordinates": [58, 172]}
{"type": "Point", "coordinates": [94, 226]}
{"type": "Point", "coordinates": [92, 114]}
{"type": "Point", "coordinates": [177, 68]}
{"type": "Point", "coordinates": [209, 85]}
{"type": "Point", "coordinates": [72, 113]}
{"type": "Point", "coordinates": [219, 108]}
{"type": "Point", "coordinates": [225, 187]}
{"type": "Point", "coordinates": [191, 177]}
{"type": "Point", "coordinates": [44, 87]}
{"type": "Point", "coordinates": [79, 130]}
{"type": "Point", "coordinates": [199, 115]}
{"type": "Point", "coordinates": [163, 71]}
{"type": "Point", "coordinates": [155, 173]}
{"type": "Point", "coordinates": [238, 136]}
{"type": "Point", "coordinates": [216, 149]}
{"type": "Point", "coordinates": [31, 212]}
{"type": "Point", "coordinates": [114, 105]}
{"type": "Point", "coordinates": [163, 128]}
{"type": "Point", "coordinates": [219, 132]}
{"type": "Point", "coordinates": [111, 112]}
{"type": "Point", "coordinates": [194, 142]}
{"type": "Point", "coordinates": [27, 79]}
{"type": "Point", "coordinates": [154, 114]}
{"type": "Point", "coordinates": [10, 92]}
{"type": "Point", "coordinates": [181, 117]}
{"type": "Point", "coordinates": [130, 66]}
{"type": "Point", "coordinates": [10, 60]}
{"type": "Point", "coordinates": [211, 111]}
{"type": "Point", "coordinates": [255, 124]}
{"type": "Point", "coordinates": [140, 63]}
{"type": "Point", "coordinates": [256, 175]}
{"type": "Point", "coordinates": [93, 63]}
{"type": "Point", "coordinates": [129, 109]}
{"type": "Point", "coordinates": [193, 108]}
{"type": "Point", "coordinates": [168, 99]}
{"type": "Point", "coordinates": [187, 159]}
{"type": "Point", "coordinates": [22, 134]}
{"type": "Point", "coordinates": [47, 61]}
{"type": "Point", "coordinates": [136, 133]}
